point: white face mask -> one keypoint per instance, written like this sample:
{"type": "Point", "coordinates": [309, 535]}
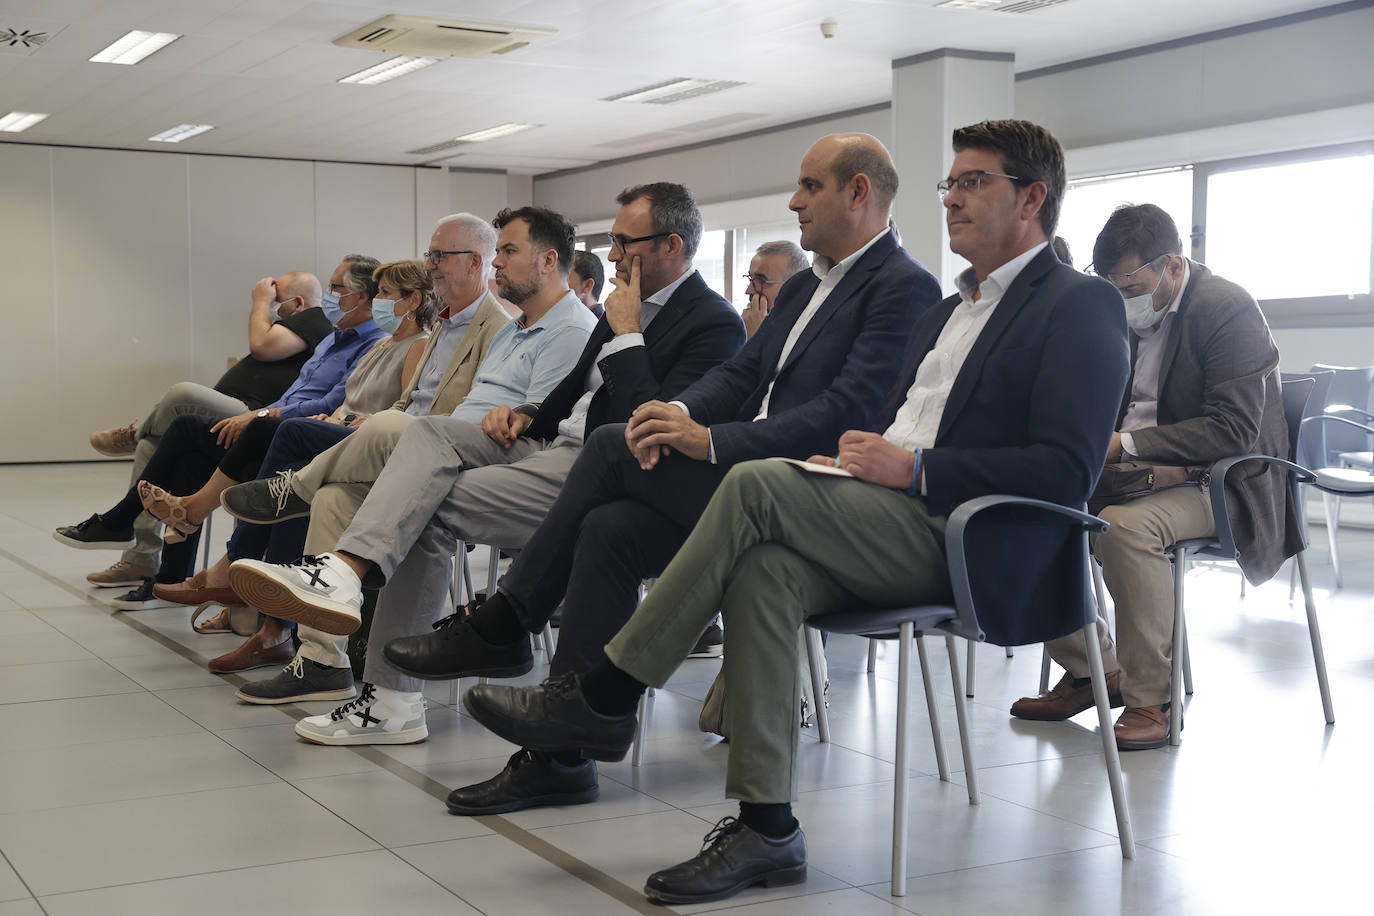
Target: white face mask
{"type": "Point", "coordinates": [1140, 310]}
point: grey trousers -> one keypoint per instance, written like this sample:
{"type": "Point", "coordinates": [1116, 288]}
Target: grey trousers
{"type": "Point", "coordinates": [1140, 577]}
{"type": "Point", "coordinates": [444, 481]}
{"type": "Point", "coordinates": [182, 399]}
{"type": "Point", "coordinates": [775, 546]}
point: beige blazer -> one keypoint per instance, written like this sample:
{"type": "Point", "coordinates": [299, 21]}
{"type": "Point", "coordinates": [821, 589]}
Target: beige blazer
{"type": "Point", "coordinates": [456, 381]}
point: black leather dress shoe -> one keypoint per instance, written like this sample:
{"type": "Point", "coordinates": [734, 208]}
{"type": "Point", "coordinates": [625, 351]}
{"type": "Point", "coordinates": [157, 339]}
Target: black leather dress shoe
{"type": "Point", "coordinates": [456, 650]}
{"type": "Point", "coordinates": [732, 858]}
{"type": "Point", "coordinates": [554, 716]}
{"type": "Point", "coordinates": [531, 779]}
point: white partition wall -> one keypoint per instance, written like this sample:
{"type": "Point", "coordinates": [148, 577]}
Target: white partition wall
{"type": "Point", "coordinates": [128, 271]}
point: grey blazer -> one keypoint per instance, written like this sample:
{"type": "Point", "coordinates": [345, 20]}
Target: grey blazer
{"type": "Point", "coordinates": [1219, 396]}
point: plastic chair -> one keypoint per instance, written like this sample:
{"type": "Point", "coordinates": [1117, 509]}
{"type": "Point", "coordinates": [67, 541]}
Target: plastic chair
{"type": "Point", "coordinates": [977, 537]}
{"type": "Point", "coordinates": [1295, 396]}
{"type": "Point", "coordinates": [1338, 446]}
{"type": "Point", "coordinates": [1309, 452]}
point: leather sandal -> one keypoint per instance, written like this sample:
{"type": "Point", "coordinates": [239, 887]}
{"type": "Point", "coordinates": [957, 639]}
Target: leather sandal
{"type": "Point", "coordinates": [242, 619]}
{"type": "Point", "coordinates": [174, 515]}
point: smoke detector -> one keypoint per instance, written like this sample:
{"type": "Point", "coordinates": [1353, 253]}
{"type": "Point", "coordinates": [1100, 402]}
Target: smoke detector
{"type": "Point", "coordinates": [424, 37]}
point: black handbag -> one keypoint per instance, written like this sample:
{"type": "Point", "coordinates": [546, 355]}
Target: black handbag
{"type": "Point", "coordinates": [1123, 481]}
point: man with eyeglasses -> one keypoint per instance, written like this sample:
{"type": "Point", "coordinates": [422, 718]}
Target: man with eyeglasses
{"type": "Point", "coordinates": [773, 264]}
{"type": "Point", "coordinates": [1010, 386]}
{"type": "Point", "coordinates": [821, 362]}
{"type": "Point", "coordinates": [1204, 386]}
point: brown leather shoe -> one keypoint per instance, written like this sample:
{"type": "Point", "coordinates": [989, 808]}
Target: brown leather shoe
{"type": "Point", "coordinates": [1066, 699]}
{"type": "Point", "coordinates": [254, 654]}
{"type": "Point", "coordinates": [120, 442]}
{"type": "Point", "coordinates": [194, 592]}
{"type": "Point", "coordinates": [1140, 728]}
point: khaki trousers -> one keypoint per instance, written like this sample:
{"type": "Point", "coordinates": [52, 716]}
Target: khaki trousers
{"type": "Point", "coordinates": [774, 546]}
{"type": "Point", "coordinates": [1140, 577]}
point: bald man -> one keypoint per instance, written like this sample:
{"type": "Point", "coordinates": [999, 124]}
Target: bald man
{"type": "Point", "coordinates": [285, 323]}
{"type": "Point", "coordinates": [819, 365]}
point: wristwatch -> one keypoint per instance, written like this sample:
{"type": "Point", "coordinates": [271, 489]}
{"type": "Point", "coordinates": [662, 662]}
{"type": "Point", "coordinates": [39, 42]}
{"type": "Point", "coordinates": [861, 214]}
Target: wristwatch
{"type": "Point", "coordinates": [265, 412]}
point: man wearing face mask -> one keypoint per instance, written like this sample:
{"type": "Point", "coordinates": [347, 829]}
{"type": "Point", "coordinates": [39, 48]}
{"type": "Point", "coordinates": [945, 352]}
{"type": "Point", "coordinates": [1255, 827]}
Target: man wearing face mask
{"type": "Point", "coordinates": [1204, 385]}
{"type": "Point", "coordinates": [285, 323]}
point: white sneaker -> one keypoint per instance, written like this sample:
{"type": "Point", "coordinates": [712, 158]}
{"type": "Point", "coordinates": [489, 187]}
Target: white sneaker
{"type": "Point", "coordinates": [320, 592]}
{"type": "Point", "coordinates": [377, 716]}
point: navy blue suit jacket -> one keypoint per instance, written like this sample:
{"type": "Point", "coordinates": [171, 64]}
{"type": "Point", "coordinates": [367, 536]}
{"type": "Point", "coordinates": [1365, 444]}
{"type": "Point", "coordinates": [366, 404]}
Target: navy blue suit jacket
{"type": "Point", "coordinates": [838, 372]}
{"type": "Point", "coordinates": [1031, 413]}
{"type": "Point", "coordinates": [1034, 406]}
{"type": "Point", "coordinates": [695, 331]}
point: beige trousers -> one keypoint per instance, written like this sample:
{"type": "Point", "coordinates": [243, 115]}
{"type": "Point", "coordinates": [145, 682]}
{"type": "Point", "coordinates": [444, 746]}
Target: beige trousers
{"type": "Point", "coordinates": [1140, 578]}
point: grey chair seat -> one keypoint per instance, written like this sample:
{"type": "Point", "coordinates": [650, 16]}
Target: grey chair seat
{"type": "Point", "coordinates": [1357, 460]}
{"type": "Point", "coordinates": [1345, 481]}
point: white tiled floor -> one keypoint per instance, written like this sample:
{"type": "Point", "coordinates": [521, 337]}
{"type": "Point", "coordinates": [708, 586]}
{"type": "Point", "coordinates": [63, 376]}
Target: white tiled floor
{"type": "Point", "coordinates": [131, 781]}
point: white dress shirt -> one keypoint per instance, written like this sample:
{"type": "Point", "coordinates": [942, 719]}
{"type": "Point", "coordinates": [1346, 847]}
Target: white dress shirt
{"type": "Point", "coordinates": [574, 426]}
{"type": "Point", "coordinates": [918, 419]}
{"type": "Point", "coordinates": [1143, 409]}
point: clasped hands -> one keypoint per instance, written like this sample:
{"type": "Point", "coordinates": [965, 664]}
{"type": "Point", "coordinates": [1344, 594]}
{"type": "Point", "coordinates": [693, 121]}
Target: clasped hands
{"type": "Point", "coordinates": [655, 428]}
{"type": "Point", "coordinates": [871, 458]}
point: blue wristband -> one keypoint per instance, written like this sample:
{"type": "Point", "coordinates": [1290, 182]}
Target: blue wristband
{"type": "Point", "coordinates": [915, 488]}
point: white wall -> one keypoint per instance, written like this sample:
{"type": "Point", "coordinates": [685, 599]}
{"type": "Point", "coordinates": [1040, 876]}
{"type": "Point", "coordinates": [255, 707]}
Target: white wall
{"type": "Point", "coordinates": [129, 271]}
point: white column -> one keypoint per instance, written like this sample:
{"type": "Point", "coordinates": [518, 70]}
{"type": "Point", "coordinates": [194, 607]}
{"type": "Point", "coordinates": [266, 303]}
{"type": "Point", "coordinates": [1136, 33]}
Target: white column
{"type": "Point", "coordinates": [932, 94]}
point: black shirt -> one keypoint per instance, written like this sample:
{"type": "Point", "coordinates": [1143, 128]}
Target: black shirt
{"type": "Point", "coordinates": [257, 382]}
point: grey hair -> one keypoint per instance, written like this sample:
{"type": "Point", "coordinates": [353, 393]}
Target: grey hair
{"type": "Point", "coordinates": [359, 274]}
{"type": "Point", "coordinates": [480, 231]}
{"type": "Point", "coordinates": [672, 208]}
{"type": "Point", "coordinates": [797, 260]}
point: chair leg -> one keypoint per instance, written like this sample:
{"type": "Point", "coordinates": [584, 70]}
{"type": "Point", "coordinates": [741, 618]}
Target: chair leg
{"type": "Point", "coordinates": [548, 641]}
{"type": "Point", "coordinates": [468, 583]}
{"type": "Point", "coordinates": [968, 684]}
{"type": "Point", "coordinates": [961, 716]}
{"type": "Point", "coordinates": [637, 755]}
{"type": "Point", "coordinates": [1010, 653]}
{"type": "Point", "coordinates": [1314, 631]}
{"type": "Point", "coordinates": [1109, 751]}
{"type": "Point", "coordinates": [1099, 588]}
{"type": "Point", "coordinates": [1332, 505]}
{"type": "Point", "coordinates": [1187, 661]}
{"type": "Point", "coordinates": [1176, 680]}
{"type": "Point", "coordinates": [941, 763]}
{"type": "Point", "coordinates": [899, 782]}
{"type": "Point", "coordinates": [493, 569]}
{"type": "Point", "coordinates": [1045, 669]}
{"type": "Point", "coordinates": [205, 538]}
{"type": "Point", "coordinates": [872, 655]}
{"type": "Point", "coordinates": [814, 651]}
{"type": "Point", "coordinates": [1293, 579]}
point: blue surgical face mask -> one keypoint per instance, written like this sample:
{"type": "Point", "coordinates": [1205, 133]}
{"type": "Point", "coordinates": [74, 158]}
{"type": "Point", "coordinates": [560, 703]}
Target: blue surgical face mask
{"type": "Point", "coordinates": [329, 304]}
{"type": "Point", "coordinates": [384, 313]}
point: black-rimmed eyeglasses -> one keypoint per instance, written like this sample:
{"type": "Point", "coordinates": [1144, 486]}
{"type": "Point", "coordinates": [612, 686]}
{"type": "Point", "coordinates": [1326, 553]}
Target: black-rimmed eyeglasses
{"type": "Point", "coordinates": [436, 255]}
{"type": "Point", "coordinates": [622, 242]}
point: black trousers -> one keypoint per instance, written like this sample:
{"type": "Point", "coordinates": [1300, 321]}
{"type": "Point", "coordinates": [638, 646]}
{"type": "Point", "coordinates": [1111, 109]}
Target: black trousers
{"type": "Point", "coordinates": [612, 526]}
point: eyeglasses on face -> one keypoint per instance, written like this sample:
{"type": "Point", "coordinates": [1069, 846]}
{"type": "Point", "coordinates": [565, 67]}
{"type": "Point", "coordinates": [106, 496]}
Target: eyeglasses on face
{"type": "Point", "coordinates": [969, 182]}
{"type": "Point", "coordinates": [761, 280]}
{"type": "Point", "coordinates": [437, 255]}
{"type": "Point", "coordinates": [1123, 282]}
{"type": "Point", "coordinates": [620, 242]}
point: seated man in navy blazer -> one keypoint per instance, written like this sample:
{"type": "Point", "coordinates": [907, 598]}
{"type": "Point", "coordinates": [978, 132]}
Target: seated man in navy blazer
{"type": "Point", "coordinates": [1011, 386]}
{"type": "Point", "coordinates": [822, 362]}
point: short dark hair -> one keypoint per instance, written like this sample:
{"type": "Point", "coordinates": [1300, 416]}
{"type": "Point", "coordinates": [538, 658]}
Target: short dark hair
{"type": "Point", "coordinates": [860, 158]}
{"type": "Point", "coordinates": [1028, 151]}
{"type": "Point", "coordinates": [588, 267]}
{"type": "Point", "coordinates": [359, 274]}
{"type": "Point", "coordinates": [673, 209]}
{"type": "Point", "coordinates": [548, 229]}
{"type": "Point", "coordinates": [1143, 230]}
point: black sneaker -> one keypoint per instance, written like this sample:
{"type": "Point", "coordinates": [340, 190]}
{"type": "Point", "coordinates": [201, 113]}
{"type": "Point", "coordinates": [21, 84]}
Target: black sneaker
{"type": "Point", "coordinates": [531, 779]}
{"type": "Point", "coordinates": [265, 502]}
{"type": "Point", "coordinates": [300, 680]}
{"type": "Point", "coordinates": [141, 599]}
{"type": "Point", "coordinates": [711, 644]}
{"type": "Point", "coordinates": [92, 535]}
{"type": "Point", "coordinates": [456, 650]}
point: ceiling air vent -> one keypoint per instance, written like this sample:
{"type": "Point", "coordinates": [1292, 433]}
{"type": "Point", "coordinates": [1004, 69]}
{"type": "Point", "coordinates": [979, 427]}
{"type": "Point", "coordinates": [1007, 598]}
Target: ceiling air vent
{"type": "Point", "coordinates": [23, 39]}
{"type": "Point", "coordinates": [424, 37]}
{"type": "Point", "coordinates": [670, 91]}
{"type": "Point", "coordinates": [436, 147]}
{"type": "Point", "coordinates": [999, 6]}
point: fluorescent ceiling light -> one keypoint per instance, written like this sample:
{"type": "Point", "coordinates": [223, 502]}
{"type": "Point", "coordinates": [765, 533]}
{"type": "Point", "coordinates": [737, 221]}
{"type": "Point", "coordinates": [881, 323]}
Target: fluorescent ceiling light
{"type": "Point", "coordinates": [16, 121]}
{"type": "Point", "coordinates": [677, 90]}
{"type": "Point", "coordinates": [133, 47]}
{"type": "Point", "coordinates": [181, 132]}
{"type": "Point", "coordinates": [968, 4]}
{"type": "Point", "coordinates": [491, 133]}
{"type": "Point", "coordinates": [389, 70]}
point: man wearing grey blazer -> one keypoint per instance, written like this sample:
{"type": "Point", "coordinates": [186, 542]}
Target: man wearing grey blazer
{"type": "Point", "coordinates": [1204, 386]}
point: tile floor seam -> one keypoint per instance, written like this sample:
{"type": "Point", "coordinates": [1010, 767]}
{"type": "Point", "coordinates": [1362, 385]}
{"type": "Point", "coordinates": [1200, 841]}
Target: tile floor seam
{"type": "Point", "coordinates": [518, 835]}
{"type": "Point", "coordinates": [6, 859]}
